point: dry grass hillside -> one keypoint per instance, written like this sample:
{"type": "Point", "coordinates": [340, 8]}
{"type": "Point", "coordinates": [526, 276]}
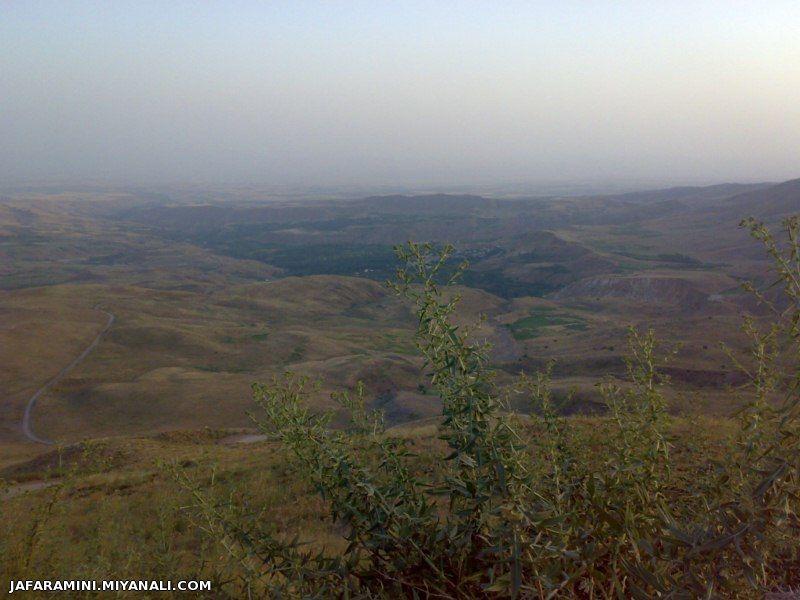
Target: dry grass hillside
{"type": "Point", "coordinates": [214, 289]}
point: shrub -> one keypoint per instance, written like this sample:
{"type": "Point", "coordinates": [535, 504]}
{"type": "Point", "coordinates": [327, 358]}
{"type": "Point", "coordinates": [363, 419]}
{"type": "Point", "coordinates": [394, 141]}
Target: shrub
{"type": "Point", "coordinates": [532, 507]}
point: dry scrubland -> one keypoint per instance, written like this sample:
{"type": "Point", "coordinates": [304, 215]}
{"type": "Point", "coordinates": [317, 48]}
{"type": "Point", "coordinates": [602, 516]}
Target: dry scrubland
{"type": "Point", "coordinates": [205, 301]}
{"type": "Point", "coordinates": [186, 359]}
{"type": "Point", "coordinates": [114, 510]}
{"type": "Point", "coordinates": [172, 356]}
{"type": "Point", "coordinates": [201, 313]}
{"type": "Point", "coordinates": [538, 506]}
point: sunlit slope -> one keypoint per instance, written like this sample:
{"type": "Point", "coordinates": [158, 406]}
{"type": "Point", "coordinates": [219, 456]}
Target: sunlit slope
{"type": "Point", "coordinates": [186, 359]}
{"type": "Point", "coordinates": [41, 331]}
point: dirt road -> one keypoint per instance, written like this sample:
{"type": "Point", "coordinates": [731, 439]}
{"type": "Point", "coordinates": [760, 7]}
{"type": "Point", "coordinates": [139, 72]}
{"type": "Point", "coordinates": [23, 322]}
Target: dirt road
{"type": "Point", "coordinates": [26, 419]}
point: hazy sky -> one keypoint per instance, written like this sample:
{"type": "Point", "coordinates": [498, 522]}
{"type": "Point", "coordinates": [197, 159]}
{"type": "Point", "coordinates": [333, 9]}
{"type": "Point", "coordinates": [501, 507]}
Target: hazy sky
{"type": "Point", "coordinates": [399, 92]}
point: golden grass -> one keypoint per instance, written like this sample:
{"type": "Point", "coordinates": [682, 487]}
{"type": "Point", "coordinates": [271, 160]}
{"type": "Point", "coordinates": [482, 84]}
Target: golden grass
{"type": "Point", "coordinates": [187, 358]}
{"type": "Point", "coordinates": [119, 514]}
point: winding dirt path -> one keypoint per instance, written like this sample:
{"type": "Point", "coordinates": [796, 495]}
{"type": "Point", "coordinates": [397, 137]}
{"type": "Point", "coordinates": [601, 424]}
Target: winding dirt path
{"type": "Point", "coordinates": [28, 486]}
{"type": "Point", "coordinates": [26, 419]}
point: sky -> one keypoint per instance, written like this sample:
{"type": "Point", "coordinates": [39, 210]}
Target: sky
{"type": "Point", "coordinates": [399, 93]}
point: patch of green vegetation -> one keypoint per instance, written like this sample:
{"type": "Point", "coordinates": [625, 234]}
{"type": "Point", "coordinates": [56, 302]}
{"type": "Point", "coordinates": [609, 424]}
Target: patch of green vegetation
{"type": "Point", "coordinates": [495, 282]}
{"type": "Point", "coordinates": [260, 337]}
{"type": "Point", "coordinates": [674, 260]}
{"type": "Point", "coordinates": [375, 261]}
{"type": "Point", "coordinates": [297, 354]}
{"type": "Point", "coordinates": [544, 317]}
